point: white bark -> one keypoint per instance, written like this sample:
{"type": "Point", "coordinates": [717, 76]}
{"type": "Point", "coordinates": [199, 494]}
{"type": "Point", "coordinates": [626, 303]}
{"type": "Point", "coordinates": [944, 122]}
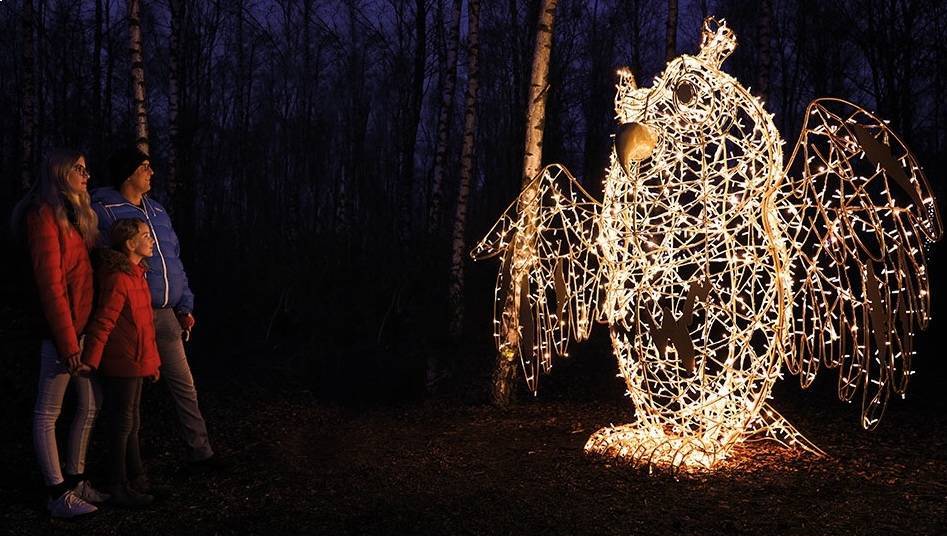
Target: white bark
{"type": "Point", "coordinates": [138, 75]}
{"type": "Point", "coordinates": [532, 164]}
{"type": "Point", "coordinates": [538, 86]}
{"type": "Point", "coordinates": [444, 119]}
{"type": "Point", "coordinates": [458, 245]}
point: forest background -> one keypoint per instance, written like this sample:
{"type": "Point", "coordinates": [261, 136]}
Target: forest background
{"type": "Point", "coordinates": [310, 151]}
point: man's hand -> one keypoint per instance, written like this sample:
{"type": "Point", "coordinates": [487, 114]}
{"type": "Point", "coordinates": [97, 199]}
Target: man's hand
{"type": "Point", "coordinates": [83, 369]}
{"type": "Point", "coordinates": [187, 322]}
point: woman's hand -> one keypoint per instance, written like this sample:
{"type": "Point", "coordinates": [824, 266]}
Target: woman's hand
{"type": "Point", "coordinates": [73, 362]}
{"type": "Point", "coordinates": [154, 377]}
{"type": "Point", "coordinates": [83, 369]}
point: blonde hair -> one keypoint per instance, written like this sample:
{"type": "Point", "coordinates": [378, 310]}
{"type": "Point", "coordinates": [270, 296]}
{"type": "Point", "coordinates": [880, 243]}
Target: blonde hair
{"type": "Point", "coordinates": [52, 188]}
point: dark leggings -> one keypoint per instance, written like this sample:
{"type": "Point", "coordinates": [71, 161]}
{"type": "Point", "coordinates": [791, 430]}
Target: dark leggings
{"type": "Point", "coordinates": [122, 400]}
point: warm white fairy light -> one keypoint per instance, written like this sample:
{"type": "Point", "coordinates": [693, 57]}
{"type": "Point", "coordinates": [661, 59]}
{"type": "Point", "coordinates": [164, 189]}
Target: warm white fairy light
{"type": "Point", "coordinates": [713, 265]}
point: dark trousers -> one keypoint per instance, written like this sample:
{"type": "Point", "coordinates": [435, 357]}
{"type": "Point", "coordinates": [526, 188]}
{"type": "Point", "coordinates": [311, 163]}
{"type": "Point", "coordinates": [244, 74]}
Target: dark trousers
{"type": "Point", "coordinates": [122, 402]}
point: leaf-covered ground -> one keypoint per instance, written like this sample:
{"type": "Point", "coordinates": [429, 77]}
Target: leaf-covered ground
{"type": "Point", "coordinates": [449, 466]}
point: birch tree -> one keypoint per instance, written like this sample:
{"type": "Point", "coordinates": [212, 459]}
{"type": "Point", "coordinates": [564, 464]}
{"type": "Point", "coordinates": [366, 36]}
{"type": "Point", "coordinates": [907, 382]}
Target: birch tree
{"type": "Point", "coordinates": [458, 245]}
{"type": "Point", "coordinates": [138, 75]}
{"type": "Point", "coordinates": [532, 161]}
{"type": "Point", "coordinates": [444, 119]}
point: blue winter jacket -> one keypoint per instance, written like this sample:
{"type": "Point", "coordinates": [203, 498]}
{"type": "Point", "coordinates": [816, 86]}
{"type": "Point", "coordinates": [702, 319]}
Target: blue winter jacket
{"type": "Point", "coordinates": [166, 277]}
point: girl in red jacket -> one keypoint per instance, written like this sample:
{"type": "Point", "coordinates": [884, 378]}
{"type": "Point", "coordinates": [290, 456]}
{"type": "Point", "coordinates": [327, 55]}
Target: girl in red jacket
{"type": "Point", "coordinates": [121, 346]}
{"type": "Point", "coordinates": [60, 227]}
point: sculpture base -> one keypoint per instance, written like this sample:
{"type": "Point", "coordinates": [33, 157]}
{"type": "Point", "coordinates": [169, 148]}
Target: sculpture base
{"type": "Point", "coordinates": [651, 448]}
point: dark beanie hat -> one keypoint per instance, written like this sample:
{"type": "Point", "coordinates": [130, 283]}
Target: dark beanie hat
{"type": "Point", "coordinates": [123, 163]}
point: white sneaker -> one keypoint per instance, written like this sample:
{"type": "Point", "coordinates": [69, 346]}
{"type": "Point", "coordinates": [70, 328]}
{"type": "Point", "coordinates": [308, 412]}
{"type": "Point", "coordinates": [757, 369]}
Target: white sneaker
{"type": "Point", "coordinates": [87, 493]}
{"type": "Point", "coordinates": [69, 505]}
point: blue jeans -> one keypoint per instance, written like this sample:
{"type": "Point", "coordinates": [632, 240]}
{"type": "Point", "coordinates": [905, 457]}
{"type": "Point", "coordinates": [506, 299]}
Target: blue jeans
{"type": "Point", "coordinates": [176, 374]}
{"type": "Point", "coordinates": [53, 379]}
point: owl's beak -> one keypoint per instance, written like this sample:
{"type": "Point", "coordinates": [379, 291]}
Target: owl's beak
{"type": "Point", "coordinates": [634, 142]}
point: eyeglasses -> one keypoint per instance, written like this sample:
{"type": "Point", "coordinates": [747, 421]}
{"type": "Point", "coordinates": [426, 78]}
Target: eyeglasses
{"type": "Point", "coordinates": [81, 170]}
{"type": "Point", "coordinates": [145, 165]}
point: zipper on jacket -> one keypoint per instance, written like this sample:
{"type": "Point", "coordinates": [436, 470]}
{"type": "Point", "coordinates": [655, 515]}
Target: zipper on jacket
{"type": "Point", "coordinates": [164, 265]}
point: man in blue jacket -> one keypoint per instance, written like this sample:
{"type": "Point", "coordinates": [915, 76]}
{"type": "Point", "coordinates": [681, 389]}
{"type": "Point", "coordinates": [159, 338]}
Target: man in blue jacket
{"type": "Point", "coordinates": [171, 296]}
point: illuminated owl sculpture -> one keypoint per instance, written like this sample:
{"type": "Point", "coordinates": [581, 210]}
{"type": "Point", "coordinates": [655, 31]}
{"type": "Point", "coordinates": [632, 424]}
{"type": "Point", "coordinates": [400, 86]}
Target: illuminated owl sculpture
{"type": "Point", "coordinates": [715, 265]}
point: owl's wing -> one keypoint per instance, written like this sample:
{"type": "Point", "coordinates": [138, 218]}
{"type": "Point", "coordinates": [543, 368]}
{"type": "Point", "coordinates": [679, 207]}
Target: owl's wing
{"type": "Point", "coordinates": [548, 285]}
{"type": "Point", "coordinates": [858, 214]}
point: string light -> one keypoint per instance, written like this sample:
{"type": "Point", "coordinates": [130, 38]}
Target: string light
{"type": "Point", "coordinates": [714, 266]}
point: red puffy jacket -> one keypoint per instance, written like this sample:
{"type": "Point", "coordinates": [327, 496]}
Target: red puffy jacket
{"type": "Point", "coordinates": [63, 276]}
{"type": "Point", "coordinates": [120, 340]}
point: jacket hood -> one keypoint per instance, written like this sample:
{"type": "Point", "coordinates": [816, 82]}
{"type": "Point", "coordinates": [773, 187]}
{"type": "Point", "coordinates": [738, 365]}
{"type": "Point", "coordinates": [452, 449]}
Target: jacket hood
{"type": "Point", "coordinates": [108, 260]}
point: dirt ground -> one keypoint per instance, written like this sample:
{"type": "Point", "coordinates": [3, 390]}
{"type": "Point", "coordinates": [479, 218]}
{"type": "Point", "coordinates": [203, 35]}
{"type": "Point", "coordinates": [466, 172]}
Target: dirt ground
{"type": "Point", "coordinates": [450, 466]}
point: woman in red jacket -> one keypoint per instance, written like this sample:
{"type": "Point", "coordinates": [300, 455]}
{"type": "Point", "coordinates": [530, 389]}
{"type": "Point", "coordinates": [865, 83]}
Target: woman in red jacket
{"type": "Point", "coordinates": [121, 346]}
{"type": "Point", "coordinates": [60, 228]}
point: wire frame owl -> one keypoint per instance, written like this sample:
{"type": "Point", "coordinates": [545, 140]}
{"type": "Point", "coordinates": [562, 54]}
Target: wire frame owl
{"type": "Point", "coordinates": [715, 265]}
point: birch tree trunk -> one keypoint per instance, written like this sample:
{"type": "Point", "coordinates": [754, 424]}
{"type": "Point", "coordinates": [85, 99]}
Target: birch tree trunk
{"type": "Point", "coordinates": [138, 76]}
{"type": "Point", "coordinates": [538, 88]}
{"type": "Point", "coordinates": [28, 100]}
{"type": "Point", "coordinates": [458, 245]}
{"type": "Point", "coordinates": [444, 119]}
{"type": "Point", "coordinates": [532, 161]}
{"type": "Point", "coordinates": [671, 31]}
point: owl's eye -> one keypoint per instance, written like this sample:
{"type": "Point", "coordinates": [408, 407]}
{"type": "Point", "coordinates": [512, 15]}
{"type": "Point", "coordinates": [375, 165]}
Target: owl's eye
{"type": "Point", "coordinates": [685, 92]}
{"type": "Point", "coordinates": [696, 97]}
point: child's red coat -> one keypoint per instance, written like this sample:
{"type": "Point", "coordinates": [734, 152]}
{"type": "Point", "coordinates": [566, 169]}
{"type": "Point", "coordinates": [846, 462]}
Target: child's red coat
{"type": "Point", "coordinates": [120, 338]}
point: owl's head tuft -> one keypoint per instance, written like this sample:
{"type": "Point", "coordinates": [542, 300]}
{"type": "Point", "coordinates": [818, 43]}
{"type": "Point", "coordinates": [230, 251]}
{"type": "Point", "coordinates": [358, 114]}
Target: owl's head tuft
{"type": "Point", "coordinates": [717, 42]}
